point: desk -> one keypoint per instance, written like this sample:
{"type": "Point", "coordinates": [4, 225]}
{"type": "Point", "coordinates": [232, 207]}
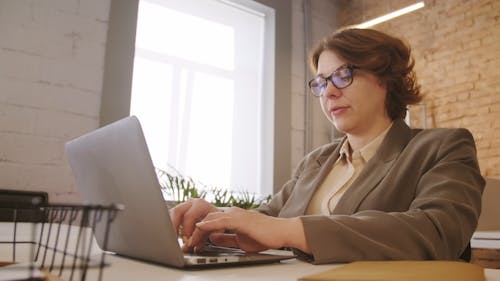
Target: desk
{"type": "Point", "coordinates": [127, 269]}
{"type": "Point", "coordinates": [486, 248]}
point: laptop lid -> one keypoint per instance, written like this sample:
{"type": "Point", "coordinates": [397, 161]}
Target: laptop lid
{"type": "Point", "coordinates": [112, 165]}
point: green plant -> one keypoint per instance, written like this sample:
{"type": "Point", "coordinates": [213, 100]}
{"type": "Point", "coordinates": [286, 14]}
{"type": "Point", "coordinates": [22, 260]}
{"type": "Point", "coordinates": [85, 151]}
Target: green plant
{"type": "Point", "coordinates": [180, 188]}
{"type": "Point", "coordinates": [243, 199]}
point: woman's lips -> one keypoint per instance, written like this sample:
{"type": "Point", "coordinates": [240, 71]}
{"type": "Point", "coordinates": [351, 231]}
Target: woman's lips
{"type": "Point", "coordinates": [338, 110]}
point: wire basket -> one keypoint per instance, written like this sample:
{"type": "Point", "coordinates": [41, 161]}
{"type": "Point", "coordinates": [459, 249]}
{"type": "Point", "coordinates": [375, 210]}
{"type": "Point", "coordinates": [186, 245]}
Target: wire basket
{"type": "Point", "coordinates": [57, 243]}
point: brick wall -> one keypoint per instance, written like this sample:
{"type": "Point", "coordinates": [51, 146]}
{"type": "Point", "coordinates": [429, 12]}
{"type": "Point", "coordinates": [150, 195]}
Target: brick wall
{"type": "Point", "coordinates": [51, 69]}
{"type": "Point", "coordinates": [311, 21]}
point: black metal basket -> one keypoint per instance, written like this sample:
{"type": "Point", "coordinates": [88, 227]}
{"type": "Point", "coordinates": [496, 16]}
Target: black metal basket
{"type": "Point", "coordinates": [57, 240]}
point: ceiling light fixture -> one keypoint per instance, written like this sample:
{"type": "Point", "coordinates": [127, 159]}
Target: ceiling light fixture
{"type": "Point", "coordinates": [392, 15]}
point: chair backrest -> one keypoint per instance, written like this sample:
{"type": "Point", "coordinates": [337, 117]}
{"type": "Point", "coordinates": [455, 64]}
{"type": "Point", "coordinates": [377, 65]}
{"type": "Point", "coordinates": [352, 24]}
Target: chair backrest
{"type": "Point", "coordinates": [490, 213]}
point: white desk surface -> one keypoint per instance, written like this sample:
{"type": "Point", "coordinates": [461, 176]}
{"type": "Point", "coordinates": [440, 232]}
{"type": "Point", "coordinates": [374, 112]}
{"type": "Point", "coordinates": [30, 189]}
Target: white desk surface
{"type": "Point", "coordinates": [127, 269]}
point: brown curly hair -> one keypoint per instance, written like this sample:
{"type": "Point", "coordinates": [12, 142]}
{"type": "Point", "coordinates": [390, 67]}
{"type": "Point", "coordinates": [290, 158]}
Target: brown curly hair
{"type": "Point", "coordinates": [387, 57]}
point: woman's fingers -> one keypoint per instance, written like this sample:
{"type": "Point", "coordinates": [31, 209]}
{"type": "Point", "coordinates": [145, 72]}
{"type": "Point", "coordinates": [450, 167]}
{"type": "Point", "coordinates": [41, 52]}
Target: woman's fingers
{"type": "Point", "coordinates": [224, 239]}
{"type": "Point", "coordinates": [177, 213]}
{"type": "Point", "coordinates": [234, 240]}
{"type": "Point", "coordinates": [191, 217]}
{"type": "Point", "coordinates": [186, 214]}
{"type": "Point", "coordinates": [221, 222]}
{"type": "Point", "coordinates": [213, 222]}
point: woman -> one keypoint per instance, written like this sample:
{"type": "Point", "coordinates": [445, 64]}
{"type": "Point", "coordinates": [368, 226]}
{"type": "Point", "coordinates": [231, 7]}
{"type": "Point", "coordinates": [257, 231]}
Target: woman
{"type": "Point", "coordinates": [384, 191]}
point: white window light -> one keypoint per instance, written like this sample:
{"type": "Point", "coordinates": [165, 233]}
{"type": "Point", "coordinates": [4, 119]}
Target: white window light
{"type": "Point", "coordinates": [391, 15]}
{"type": "Point", "coordinates": [203, 88]}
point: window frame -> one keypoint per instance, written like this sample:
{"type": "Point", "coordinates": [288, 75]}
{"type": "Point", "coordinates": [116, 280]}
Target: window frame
{"type": "Point", "coordinates": [118, 67]}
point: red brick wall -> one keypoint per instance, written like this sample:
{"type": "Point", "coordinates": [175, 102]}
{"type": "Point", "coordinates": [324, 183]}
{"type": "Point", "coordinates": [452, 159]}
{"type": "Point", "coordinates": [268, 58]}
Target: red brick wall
{"type": "Point", "coordinates": [456, 45]}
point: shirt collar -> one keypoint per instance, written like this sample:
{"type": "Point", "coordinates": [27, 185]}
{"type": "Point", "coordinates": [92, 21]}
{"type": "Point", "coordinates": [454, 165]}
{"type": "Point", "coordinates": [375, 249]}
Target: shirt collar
{"type": "Point", "coordinates": [345, 150]}
{"type": "Point", "coordinates": [367, 151]}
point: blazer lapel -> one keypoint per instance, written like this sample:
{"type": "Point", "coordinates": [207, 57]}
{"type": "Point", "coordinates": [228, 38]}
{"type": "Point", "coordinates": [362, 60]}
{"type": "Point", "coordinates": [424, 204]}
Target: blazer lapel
{"type": "Point", "coordinates": [300, 198]}
{"type": "Point", "coordinates": [375, 169]}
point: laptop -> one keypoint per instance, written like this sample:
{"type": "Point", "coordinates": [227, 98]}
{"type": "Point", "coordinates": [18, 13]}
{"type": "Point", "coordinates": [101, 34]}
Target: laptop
{"type": "Point", "coordinates": [112, 165]}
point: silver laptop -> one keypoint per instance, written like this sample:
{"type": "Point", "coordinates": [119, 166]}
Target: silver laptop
{"type": "Point", "coordinates": [112, 165]}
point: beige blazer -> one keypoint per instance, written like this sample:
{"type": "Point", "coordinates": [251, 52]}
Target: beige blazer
{"type": "Point", "coordinates": [418, 198]}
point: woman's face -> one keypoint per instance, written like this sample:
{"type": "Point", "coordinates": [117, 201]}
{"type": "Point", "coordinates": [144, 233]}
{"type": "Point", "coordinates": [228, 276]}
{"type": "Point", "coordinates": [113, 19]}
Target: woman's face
{"type": "Point", "coordinates": [358, 108]}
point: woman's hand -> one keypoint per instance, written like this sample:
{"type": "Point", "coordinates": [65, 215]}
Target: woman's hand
{"type": "Point", "coordinates": [185, 215]}
{"type": "Point", "coordinates": [249, 231]}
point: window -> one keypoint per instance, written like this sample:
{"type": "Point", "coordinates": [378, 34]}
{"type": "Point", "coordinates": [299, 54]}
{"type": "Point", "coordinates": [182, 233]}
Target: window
{"type": "Point", "coordinates": [203, 88]}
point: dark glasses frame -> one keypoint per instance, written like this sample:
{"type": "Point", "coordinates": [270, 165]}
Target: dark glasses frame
{"type": "Point", "coordinates": [321, 82]}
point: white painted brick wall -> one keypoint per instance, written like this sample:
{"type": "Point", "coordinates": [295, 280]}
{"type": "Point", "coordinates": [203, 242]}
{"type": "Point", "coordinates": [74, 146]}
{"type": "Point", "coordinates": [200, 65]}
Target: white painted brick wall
{"type": "Point", "coordinates": [51, 70]}
{"type": "Point", "coordinates": [322, 23]}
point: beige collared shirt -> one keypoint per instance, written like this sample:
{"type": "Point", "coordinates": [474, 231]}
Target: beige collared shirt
{"type": "Point", "coordinates": [345, 170]}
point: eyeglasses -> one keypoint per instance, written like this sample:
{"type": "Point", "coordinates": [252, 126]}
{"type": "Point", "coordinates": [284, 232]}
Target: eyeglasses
{"type": "Point", "coordinates": [341, 78]}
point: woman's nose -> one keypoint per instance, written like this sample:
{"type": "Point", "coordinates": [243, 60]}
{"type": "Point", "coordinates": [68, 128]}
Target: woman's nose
{"type": "Point", "coordinates": [331, 91]}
